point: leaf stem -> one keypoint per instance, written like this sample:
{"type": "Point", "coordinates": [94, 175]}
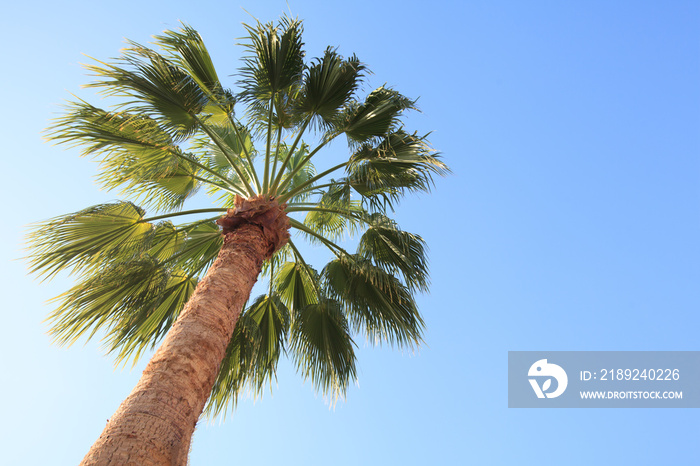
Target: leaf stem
{"type": "Point", "coordinates": [298, 255]}
{"type": "Point", "coordinates": [348, 213]}
{"type": "Point", "coordinates": [266, 175]}
{"type": "Point", "coordinates": [334, 248]}
{"type": "Point", "coordinates": [215, 138]}
{"type": "Point", "coordinates": [241, 141]}
{"type": "Point", "coordinates": [309, 182]}
{"type": "Point", "coordinates": [290, 153]}
{"type": "Point", "coordinates": [303, 162]}
{"type": "Point", "coordinates": [277, 154]}
{"type": "Point", "coordinates": [213, 183]}
{"type": "Point", "coordinates": [187, 212]}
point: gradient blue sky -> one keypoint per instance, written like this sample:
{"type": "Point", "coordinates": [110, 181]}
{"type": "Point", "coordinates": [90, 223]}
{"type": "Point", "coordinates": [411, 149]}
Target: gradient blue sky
{"type": "Point", "coordinates": [571, 222]}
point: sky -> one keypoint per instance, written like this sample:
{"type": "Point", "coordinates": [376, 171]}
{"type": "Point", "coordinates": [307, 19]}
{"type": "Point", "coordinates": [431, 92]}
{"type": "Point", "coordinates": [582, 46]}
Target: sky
{"type": "Point", "coordinates": [571, 221]}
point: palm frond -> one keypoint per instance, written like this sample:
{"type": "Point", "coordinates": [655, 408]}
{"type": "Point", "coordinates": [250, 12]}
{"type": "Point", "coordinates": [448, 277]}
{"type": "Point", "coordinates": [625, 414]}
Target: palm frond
{"type": "Point", "coordinates": [136, 155]}
{"type": "Point", "coordinates": [158, 88]}
{"type": "Point", "coordinates": [375, 117]}
{"type": "Point", "coordinates": [134, 303]}
{"type": "Point", "coordinates": [199, 248]}
{"type": "Point", "coordinates": [294, 283]}
{"type": "Point", "coordinates": [189, 52]}
{"type": "Point", "coordinates": [302, 173]}
{"type": "Point", "coordinates": [375, 300]}
{"type": "Point", "coordinates": [395, 251]}
{"type": "Point", "coordinates": [271, 266]}
{"type": "Point", "coordinates": [107, 234]}
{"type": "Point", "coordinates": [314, 237]}
{"type": "Point", "coordinates": [162, 186]}
{"type": "Point", "coordinates": [252, 355]}
{"type": "Point", "coordinates": [335, 214]}
{"type": "Point", "coordinates": [323, 348]}
{"type": "Point", "coordinates": [329, 84]}
{"type": "Point", "coordinates": [236, 368]}
{"type": "Point", "coordinates": [142, 328]}
{"type": "Point", "coordinates": [272, 319]}
{"type": "Point", "coordinates": [236, 161]}
{"type": "Point", "coordinates": [137, 276]}
{"type": "Point", "coordinates": [96, 130]}
{"type": "Point", "coordinates": [275, 59]}
{"type": "Point", "coordinates": [85, 239]}
{"type": "Point", "coordinates": [400, 163]}
{"type": "Point", "coordinates": [165, 240]}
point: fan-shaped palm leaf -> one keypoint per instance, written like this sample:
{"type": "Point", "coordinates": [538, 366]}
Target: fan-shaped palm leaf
{"type": "Point", "coordinates": [322, 346]}
{"type": "Point", "coordinates": [376, 116]}
{"type": "Point", "coordinates": [400, 163]}
{"type": "Point", "coordinates": [134, 302]}
{"type": "Point", "coordinates": [395, 251]}
{"type": "Point", "coordinates": [335, 214]}
{"type": "Point", "coordinates": [328, 85]}
{"type": "Point", "coordinates": [251, 358]}
{"type": "Point", "coordinates": [158, 88]}
{"type": "Point", "coordinates": [375, 300]}
{"type": "Point", "coordinates": [295, 284]}
{"type": "Point", "coordinates": [190, 53]}
{"type": "Point", "coordinates": [137, 156]}
{"type": "Point", "coordinates": [275, 59]}
{"type": "Point", "coordinates": [85, 239]}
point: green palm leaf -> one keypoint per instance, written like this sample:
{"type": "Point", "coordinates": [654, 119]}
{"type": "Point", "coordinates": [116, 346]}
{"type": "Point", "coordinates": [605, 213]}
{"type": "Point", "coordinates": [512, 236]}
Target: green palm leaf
{"type": "Point", "coordinates": [295, 284]}
{"type": "Point", "coordinates": [400, 163]}
{"type": "Point", "coordinates": [137, 156]}
{"type": "Point", "coordinates": [133, 302]}
{"type": "Point", "coordinates": [335, 214]}
{"type": "Point", "coordinates": [322, 346]}
{"type": "Point", "coordinates": [272, 319]}
{"type": "Point", "coordinates": [230, 138]}
{"type": "Point", "coordinates": [190, 53]}
{"type": "Point", "coordinates": [252, 356]}
{"type": "Point", "coordinates": [234, 165]}
{"type": "Point", "coordinates": [199, 248]}
{"type": "Point", "coordinates": [329, 83]}
{"type": "Point", "coordinates": [143, 328]}
{"type": "Point", "coordinates": [303, 172]}
{"type": "Point", "coordinates": [134, 290]}
{"type": "Point", "coordinates": [236, 367]}
{"type": "Point", "coordinates": [376, 301]}
{"type": "Point", "coordinates": [395, 251]}
{"type": "Point", "coordinates": [165, 240]}
{"type": "Point", "coordinates": [275, 59]}
{"type": "Point", "coordinates": [159, 89]}
{"type": "Point", "coordinates": [375, 117]}
{"type": "Point", "coordinates": [112, 233]}
{"type": "Point", "coordinates": [86, 239]}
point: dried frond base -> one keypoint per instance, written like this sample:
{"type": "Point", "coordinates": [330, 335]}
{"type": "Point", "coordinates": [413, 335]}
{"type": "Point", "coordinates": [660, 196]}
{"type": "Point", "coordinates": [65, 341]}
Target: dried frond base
{"type": "Point", "coordinates": [263, 212]}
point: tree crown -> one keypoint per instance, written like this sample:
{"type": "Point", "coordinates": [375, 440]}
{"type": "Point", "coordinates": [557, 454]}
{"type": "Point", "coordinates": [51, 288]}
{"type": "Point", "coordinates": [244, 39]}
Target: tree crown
{"type": "Point", "coordinates": [176, 130]}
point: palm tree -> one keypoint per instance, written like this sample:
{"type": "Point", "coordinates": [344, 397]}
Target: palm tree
{"type": "Point", "coordinates": [171, 131]}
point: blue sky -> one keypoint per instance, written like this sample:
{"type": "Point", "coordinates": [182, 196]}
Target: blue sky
{"type": "Point", "coordinates": [571, 222]}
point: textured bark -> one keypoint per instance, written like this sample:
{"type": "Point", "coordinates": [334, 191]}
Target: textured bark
{"type": "Point", "coordinates": [154, 425]}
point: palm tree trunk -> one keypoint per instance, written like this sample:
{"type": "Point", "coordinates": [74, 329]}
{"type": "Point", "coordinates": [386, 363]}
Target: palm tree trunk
{"type": "Point", "coordinates": [154, 425]}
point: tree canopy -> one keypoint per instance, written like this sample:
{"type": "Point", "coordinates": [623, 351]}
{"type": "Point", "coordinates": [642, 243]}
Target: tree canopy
{"type": "Point", "coordinates": [172, 130]}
